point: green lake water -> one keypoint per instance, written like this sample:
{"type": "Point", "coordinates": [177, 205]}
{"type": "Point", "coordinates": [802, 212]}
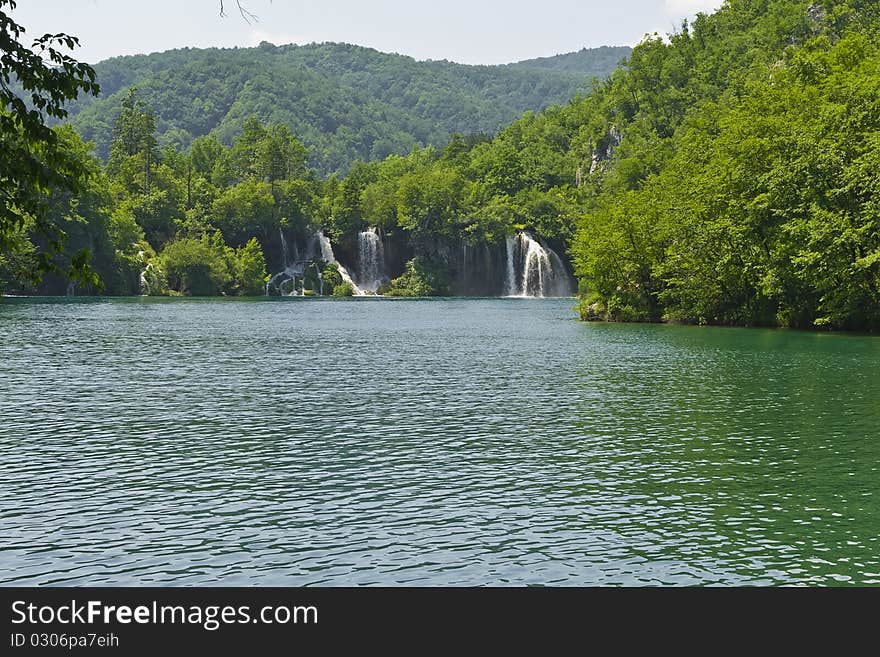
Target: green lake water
{"type": "Point", "coordinates": [459, 441]}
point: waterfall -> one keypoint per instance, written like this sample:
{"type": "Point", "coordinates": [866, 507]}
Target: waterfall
{"type": "Point", "coordinates": [536, 267]}
{"type": "Point", "coordinates": [147, 273]}
{"type": "Point", "coordinates": [510, 288]}
{"type": "Point", "coordinates": [326, 248]}
{"type": "Point", "coordinates": [328, 256]}
{"type": "Point", "coordinates": [371, 260]}
{"type": "Point", "coordinates": [288, 275]}
{"type": "Point", "coordinates": [563, 285]}
{"type": "Point", "coordinates": [292, 268]}
{"type": "Point", "coordinates": [285, 251]}
{"type": "Point", "coordinates": [144, 283]}
{"type": "Point", "coordinates": [541, 271]}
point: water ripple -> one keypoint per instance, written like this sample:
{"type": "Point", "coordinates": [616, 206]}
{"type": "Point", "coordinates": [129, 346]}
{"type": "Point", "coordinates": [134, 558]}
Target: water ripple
{"type": "Point", "coordinates": [461, 442]}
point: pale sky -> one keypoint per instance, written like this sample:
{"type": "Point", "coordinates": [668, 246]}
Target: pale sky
{"type": "Point", "coordinates": [466, 31]}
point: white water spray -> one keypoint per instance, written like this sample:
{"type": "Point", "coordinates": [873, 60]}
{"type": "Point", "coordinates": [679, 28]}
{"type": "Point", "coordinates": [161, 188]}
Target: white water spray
{"type": "Point", "coordinates": [371, 260]}
{"type": "Point", "coordinates": [541, 271]}
{"type": "Point", "coordinates": [536, 267]}
{"type": "Point", "coordinates": [328, 256]}
{"type": "Point", "coordinates": [292, 269]}
{"type": "Point", "coordinates": [285, 251]}
{"type": "Point", "coordinates": [510, 287]}
{"type": "Point", "coordinates": [147, 273]}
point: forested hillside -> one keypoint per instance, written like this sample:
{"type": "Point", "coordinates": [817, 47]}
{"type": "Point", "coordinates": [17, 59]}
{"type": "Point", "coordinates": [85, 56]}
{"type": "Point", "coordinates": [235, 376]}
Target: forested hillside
{"type": "Point", "coordinates": [344, 102]}
{"type": "Point", "coordinates": [586, 59]}
{"type": "Point", "coordinates": [742, 184]}
{"type": "Point", "coordinates": [727, 174]}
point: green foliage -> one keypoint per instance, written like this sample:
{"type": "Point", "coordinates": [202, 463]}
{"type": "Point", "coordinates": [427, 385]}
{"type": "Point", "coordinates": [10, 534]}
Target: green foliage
{"type": "Point", "coordinates": [250, 269]}
{"type": "Point", "coordinates": [205, 154]}
{"type": "Point", "coordinates": [134, 135]}
{"type": "Point", "coordinates": [35, 83]}
{"type": "Point", "coordinates": [313, 283]}
{"type": "Point", "coordinates": [18, 263]}
{"type": "Point", "coordinates": [132, 255]}
{"type": "Point", "coordinates": [344, 102]}
{"type": "Point", "coordinates": [421, 278]}
{"type": "Point", "coordinates": [247, 178]}
{"type": "Point", "coordinates": [346, 206]}
{"type": "Point", "coordinates": [604, 58]}
{"type": "Point", "coordinates": [653, 226]}
{"type": "Point", "coordinates": [198, 267]}
{"type": "Point", "coordinates": [332, 278]}
{"type": "Point", "coordinates": [87, 256]}
{"type": "Point", "coordinates": [476, 188]}
{"type": "Point", "coordinates": [245, 209]}
{"type": "Point", "coordinates": [429, 202]}
{"type": "Point", "coordinates": [343, 290]}
{"type": "Point", "coordinates": [726, 175]}
{"type": "Point", "coordinates": [740, 191]}
{"type": "Point", "coordinates": [208, 267]}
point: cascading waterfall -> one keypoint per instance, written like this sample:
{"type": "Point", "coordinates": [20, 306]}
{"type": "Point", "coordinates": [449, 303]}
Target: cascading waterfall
{"type": "Point", "coordinates": [510, 288]}
{"type": "Point", "coordinates": [296, 266]}
{"type": "Point", "coordinates": [320, 277]}
{"type": "Point", "coordinates": [371, 260]}
{"type": "Point", "coordinates": [328, 256]}
{"type": "Point", "coordinates": [525, 267]}
{"type": "Point", "coordinates": [292, 269]}
{"type": "Point", "coordinates": [285, 251]}
{"type": "Point", "coordinates": [147, 273]}
{"type": "Point", "coordinates": [541, 271]}
{"type": "Point", "coordinates": [536, 267]}
{"type": "Point", "coordinates": [564, 286]}
{"type": "Point", "coordinates": [326, 248]}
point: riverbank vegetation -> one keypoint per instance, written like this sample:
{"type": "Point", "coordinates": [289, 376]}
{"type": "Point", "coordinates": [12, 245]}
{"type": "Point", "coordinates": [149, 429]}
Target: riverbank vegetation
{"type": "Point", "coordinates": [726, 174]}
{"type": "Point", "coordinates": [743, 188]}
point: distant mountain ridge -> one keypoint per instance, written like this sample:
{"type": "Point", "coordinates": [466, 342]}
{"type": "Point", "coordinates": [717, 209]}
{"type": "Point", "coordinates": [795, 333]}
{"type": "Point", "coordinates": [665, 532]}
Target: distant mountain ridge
{"type": "Point", "coordinates": [344, 102]}
{"type": "Point", "coordinates": [585, 59]}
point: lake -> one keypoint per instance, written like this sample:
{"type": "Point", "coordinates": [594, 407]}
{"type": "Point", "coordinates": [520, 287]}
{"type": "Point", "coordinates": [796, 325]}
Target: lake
{"type": "Point", "coordinates": [423, 442]}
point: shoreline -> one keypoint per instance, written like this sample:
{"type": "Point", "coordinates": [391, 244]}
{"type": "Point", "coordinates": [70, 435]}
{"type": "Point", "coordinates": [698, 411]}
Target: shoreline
{"type": "Point", "coordinates": [376, 297]}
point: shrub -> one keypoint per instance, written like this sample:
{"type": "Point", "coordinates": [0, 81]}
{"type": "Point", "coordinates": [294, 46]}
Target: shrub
{"type": "Point", "coordinates": [421, 278]}
{"type": "Point", "coordinates": [343, 290]}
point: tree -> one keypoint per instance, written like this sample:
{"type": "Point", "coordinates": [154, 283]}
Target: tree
{"type": "Point", "coordinates": [250, 270]}
{"type": "Point", "coordinates": [32, 158]}
{"type": "Point", "coordinates": [347, 214]}
{"type": "Point", "coordinates": [246, 210]}
{"type": "Point", "coordinates": [134, 136]}
{"type": "Point", "coordinates": [279, 155]}
{"type": "Point", "coordinates": [198, 267]}
{"type": "Point", "coordinates": [205, 153]}
{"type": "Point", "coordinates": [430, 202]}
{"type": "Point", "coordinates": [421, 278]}
{"type": "Point", "coordinates": [244, 155]}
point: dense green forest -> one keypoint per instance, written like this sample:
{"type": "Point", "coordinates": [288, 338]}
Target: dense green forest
{"type": "Point", "coordinates": [344, 102]}
{"type": "Point", "coordinates": [744, 187]}
{"type": "Point", "coordinates": [727, 174]}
